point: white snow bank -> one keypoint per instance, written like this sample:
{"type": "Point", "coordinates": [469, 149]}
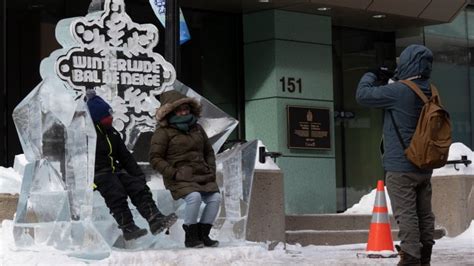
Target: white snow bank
{"type": "Point", "coordinates": [10, 181]}
{"type": "Point", "coordinates": [461, 244]}
{"type": "Point", "coordinates": [456, 150]}
{"type": "Point", "coordinates": [447, 251]}
{"type": "Point", "coordinates": [225, 255]}
{"type": "Point", "coordinates": [366, 204]}
{"type": "Point", "coordinates": [466, 235]}
{"type": "Point", "coordinates": [10, 178]}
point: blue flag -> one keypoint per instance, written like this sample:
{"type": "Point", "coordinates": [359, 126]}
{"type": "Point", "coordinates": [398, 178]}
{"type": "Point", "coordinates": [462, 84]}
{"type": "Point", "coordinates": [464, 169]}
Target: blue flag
{"type": "Point", "coordinates": [159, 8]}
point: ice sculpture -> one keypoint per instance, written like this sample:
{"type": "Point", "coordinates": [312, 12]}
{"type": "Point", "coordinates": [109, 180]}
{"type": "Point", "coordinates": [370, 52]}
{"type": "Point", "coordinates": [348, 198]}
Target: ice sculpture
{"type": "Point", "coordinates": [108, 52]}
{"type": "Point", "coordinates": [236, 168]}
{"type": "Point", "coordinates": [235, 172]}
{"type": "Point", "coordinates": [105, 51]}
{"type": "Point", "coordinates": [55, 203]}
{"type": "Point", "coordinates": [217, 124]}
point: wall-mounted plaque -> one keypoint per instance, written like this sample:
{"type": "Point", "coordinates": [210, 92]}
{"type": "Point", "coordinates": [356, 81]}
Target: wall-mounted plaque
{"type": "Point", "coordinates": [308, 127]}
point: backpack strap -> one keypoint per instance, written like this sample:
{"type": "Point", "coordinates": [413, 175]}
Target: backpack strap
{"type": "Point", "coordinates": [435, 94]}
{"type": "Point", "coordinates": [434, 90]}
{"type": "Point", "coordinates": [412, 85]}
{"type": "Point", "coordinates": [397, 130]}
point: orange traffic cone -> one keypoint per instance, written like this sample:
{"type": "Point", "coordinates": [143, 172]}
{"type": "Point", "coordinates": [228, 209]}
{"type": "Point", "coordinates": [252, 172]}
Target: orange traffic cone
{"type": "Point", "coordinates": [380, 243]}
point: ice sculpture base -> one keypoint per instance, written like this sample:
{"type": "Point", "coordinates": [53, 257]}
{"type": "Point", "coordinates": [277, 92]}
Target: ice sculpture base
{"type": "Point", "coordinates": [76, 239]}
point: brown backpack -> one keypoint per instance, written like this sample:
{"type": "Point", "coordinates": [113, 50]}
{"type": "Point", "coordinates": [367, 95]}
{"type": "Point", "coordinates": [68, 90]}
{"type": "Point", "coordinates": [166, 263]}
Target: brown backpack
{"type": "Point", "coordinates": [429, 146]}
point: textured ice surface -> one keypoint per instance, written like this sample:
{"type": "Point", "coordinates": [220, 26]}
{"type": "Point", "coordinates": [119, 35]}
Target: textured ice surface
{"type": "Point", "coordinates": [56, 198]}
{"type": "Point", "coordinates": [57, 207]}
{"type": "Point", "coordinates": [235, 168]}
{"type": "Point", "coordinates": [217, 124]}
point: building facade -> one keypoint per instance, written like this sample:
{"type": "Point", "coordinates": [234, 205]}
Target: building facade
{"type": "Point", "coordinates": [254, 59]}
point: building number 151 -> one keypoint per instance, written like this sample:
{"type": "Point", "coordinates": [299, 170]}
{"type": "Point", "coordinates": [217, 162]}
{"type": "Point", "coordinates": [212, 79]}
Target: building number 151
{"type": "Point", "coordinates": [289, 84]}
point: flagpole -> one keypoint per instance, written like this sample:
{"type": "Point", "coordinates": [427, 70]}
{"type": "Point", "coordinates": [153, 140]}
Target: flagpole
{"type": "Point", "coordinates": [172, 34]}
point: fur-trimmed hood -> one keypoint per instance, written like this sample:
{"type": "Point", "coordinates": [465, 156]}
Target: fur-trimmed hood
{"type": "Point", "coordinates": [170, 100]}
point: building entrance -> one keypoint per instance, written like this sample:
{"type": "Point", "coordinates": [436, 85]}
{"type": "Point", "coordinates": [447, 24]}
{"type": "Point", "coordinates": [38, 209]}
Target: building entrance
{"type": "Point", "coordinates": [358, 129]}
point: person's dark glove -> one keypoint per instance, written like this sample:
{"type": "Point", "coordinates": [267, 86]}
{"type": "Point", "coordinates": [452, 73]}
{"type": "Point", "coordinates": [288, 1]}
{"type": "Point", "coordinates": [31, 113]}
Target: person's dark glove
{"type": "Point", "coordinates": [383, 74]}
{"type": "Point", "coordinates": [184, 173]}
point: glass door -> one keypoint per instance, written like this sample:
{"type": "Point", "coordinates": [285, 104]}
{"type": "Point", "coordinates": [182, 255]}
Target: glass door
{"type": "Point", "coordinates": [358, 129]}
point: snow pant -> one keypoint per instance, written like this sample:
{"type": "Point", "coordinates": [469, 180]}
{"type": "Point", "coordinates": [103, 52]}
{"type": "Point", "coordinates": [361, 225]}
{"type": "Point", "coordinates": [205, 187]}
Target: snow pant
{"type": "Point", "coordinates": [193, 204]}
{"type": "Point", "coordinates": [410, 196]}
{"type": "Point", "coordinates": [115, 188]}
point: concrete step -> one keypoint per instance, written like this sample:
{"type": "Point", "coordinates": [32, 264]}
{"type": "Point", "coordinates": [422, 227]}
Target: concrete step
{"type": "Point", "coordinates": [334, 229]}
{"type": "Point", "coordinates": [338, 237]}
{"type": "Point", "coordinates": [331, 222]}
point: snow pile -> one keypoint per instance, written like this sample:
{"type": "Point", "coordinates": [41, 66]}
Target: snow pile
{"type": "Point", "coordinates": [366, 204]}
{"type": "Point", "coordinates": [457, 150]}
{"type": "Point", "coordinates": [11, 255]}
{"type": "Point", "coordinates": [447, 251]}
{"type": "Point", "coordinates": [10, 181]}
{"type": "Point", "coordinates": [466, 235]}
{"type": "Point", "coordinates": [10, 178]}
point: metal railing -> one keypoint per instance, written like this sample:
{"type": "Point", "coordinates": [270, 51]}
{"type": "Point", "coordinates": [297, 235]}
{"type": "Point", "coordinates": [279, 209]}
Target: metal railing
{"type": "Point", "coordinates": [463, 160]}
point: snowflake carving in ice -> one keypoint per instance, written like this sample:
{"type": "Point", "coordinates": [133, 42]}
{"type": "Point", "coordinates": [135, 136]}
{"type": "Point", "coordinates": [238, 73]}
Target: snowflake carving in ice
{"type": "Point", "coordinates": [115, 30]}
{"type": "Point", "coordinates": [114, 56]}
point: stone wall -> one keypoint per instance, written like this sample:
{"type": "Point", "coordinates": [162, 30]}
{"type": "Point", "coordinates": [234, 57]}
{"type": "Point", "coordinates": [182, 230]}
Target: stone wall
{"type": "Point", "coordinates": [453, 202]}
{"type": "Point", "coordinates": [266, 216]}
{"type": "Point", "coordinates": [8, 204]}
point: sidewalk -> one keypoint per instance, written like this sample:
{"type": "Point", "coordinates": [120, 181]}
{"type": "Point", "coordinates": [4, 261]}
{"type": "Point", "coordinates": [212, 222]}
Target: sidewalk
{"type": "Point", "coordinates": [454, 251]}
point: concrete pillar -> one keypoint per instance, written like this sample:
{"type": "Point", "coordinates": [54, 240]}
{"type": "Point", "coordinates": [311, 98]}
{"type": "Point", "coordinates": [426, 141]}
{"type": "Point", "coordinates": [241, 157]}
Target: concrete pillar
{"type": "Point", "coordinates": [279, 45]}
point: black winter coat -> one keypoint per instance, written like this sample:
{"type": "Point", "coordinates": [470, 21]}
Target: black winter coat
{"type": "Point", "coordinates": [111, 154]}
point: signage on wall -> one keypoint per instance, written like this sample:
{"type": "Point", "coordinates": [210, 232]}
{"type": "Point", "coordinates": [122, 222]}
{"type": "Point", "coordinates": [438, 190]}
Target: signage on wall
{"type": "Point", "coordinates": [291, 84]}
{"type": "Point", "coordinates": [113, 55]}
{"type": "Point", "coordinates": [308, 127]}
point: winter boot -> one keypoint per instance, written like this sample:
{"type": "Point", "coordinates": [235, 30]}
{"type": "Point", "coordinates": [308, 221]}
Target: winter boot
{"type": "Point", "coordinates": [406, 259]}
{"type": "Point", "coordinates": [426, 255]}
{"type": "Point", "coordinates": [125, 222]}
{"type": "Point", "coordinates": [192, 236]}
{"type": "Point", "coordinates": [159, 222]}
{"type": "Point", "coordinates": [204, 230]}
{"type": "Point", "coordinates": [131, 231]}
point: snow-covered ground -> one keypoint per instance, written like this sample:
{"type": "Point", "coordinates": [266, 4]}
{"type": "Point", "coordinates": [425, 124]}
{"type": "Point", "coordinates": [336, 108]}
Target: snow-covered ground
{"type": "Point", "coordinates": [447, 251]}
